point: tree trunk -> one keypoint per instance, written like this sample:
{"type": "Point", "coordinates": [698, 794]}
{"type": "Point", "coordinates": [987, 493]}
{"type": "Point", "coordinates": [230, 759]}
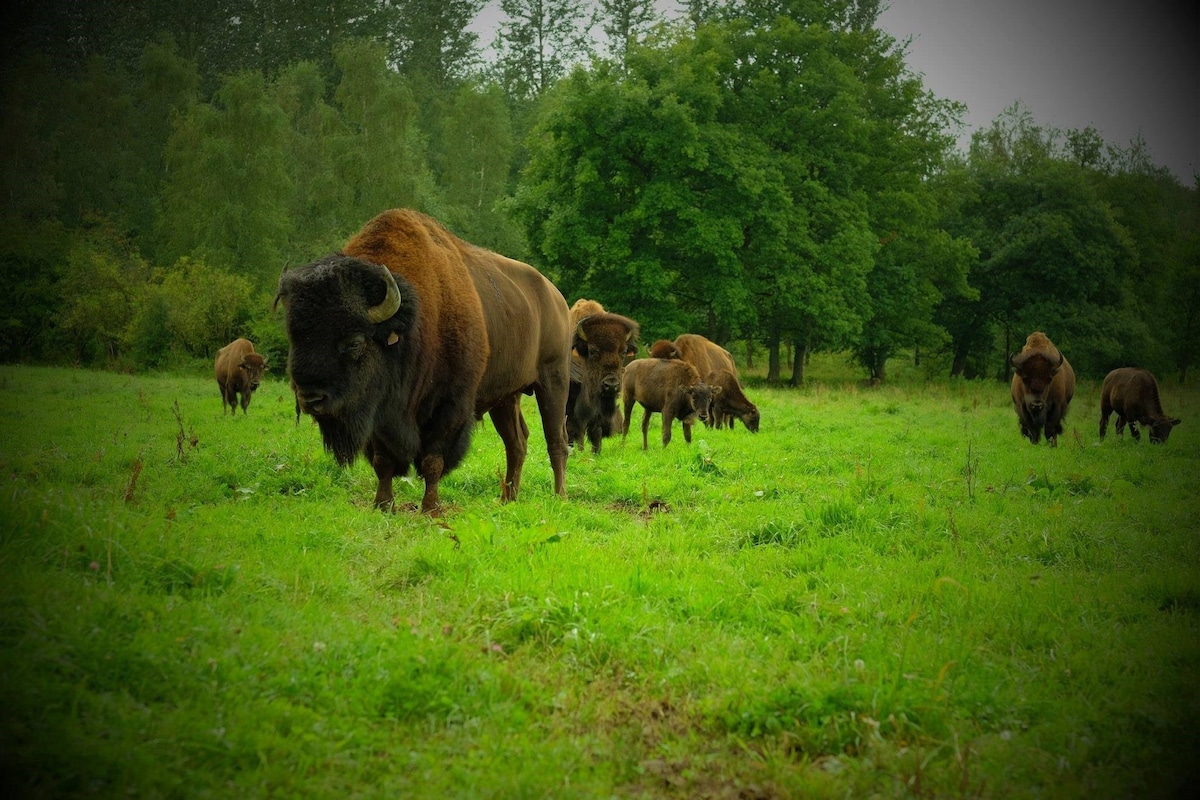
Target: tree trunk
{"type": "Point", "coordinates": [773, 360]}
{"type": "Point", "coordinates": [798, 358]}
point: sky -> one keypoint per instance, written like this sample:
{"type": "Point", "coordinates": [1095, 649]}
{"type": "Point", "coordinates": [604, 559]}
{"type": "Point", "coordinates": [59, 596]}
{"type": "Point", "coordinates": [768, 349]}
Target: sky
{"type": "Point", "coordinates": [1124, 68]}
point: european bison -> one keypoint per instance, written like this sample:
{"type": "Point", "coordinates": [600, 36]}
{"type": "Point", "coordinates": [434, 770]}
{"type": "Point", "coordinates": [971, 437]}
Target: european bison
{"type": "Point", "coordinates": [711, 359]}
{"type": "Point", "coordinates": [601, 344]}
{"type": "Point", "coordinates": [706, 356]}
{"type": "Point", "coordinates": [664, 348]}
{"type": "Point", "coordinates": [239, 370]}
{"type": "Point", "coordinates": [670, 387]}
{"type": "Point", "coordinates": [1133, 394]}
{"type": "Point", "coordinates": [405, 337]}
{"type": "Point", "coordinates": [1043, 384]}
{"type": "Point", "coordinates": [731, 402]}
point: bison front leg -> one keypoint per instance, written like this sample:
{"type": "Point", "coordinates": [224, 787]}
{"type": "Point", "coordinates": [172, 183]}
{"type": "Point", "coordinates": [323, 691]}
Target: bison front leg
{"type": "Point", "coordinates": [506, 416]}
{"type": "Point", "coordinates": [432, 467]}
{"type": "Point", "coordinates": [668, 420]}
{"type": "Point", "coordinates": [1133, 431]}
{"type": "Point", "coordinates": [385, 469]}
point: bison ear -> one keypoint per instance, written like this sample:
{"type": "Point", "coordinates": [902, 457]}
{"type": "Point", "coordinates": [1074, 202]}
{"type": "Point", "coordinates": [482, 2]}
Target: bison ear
{"type": "Point", "coordinates": [716, 390]}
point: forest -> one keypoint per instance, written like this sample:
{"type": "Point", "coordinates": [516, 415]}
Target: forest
{"type": "Point", "coordinates": [769, 173]}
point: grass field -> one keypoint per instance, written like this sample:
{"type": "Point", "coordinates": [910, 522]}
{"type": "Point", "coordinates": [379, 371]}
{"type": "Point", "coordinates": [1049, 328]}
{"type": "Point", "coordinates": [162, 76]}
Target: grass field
{"type": "Point", "coordinates": [886, 592]}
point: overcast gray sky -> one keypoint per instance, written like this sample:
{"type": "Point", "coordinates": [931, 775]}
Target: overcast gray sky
{"type": "Point", "coordinates": [1122, 67]}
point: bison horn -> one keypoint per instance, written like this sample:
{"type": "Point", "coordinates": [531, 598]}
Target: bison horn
{"type": "Point", "coordinates": [579, 330]}
{"type": "Point", "coordinates": [391, 301]}
{"type": "Point", "coordinates": [279, 291]}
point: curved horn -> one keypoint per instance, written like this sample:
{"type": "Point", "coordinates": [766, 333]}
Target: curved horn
{"type": "Point", "coordinates": [579, 329]}
{"type": "Point", "coordinates": [1060, 360]}
{"type": "Point", "coordinates": [279, 291]}
{"type": "Point", "coordinates": [391, 301]}
{"type": "Point", "coordinates": [1017, 359]}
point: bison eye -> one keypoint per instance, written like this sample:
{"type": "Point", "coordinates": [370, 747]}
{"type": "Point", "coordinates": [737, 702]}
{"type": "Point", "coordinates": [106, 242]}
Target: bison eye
{"type": "Point", "coordinates": [353, 346]}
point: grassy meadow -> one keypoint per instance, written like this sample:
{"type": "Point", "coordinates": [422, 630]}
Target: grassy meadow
{"type": "Point", "coordinates": [886, 592]}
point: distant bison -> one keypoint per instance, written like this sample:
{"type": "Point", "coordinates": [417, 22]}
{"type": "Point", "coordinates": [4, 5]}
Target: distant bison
{"type": "Point", "coordinates": [710, 359]}
{"type": "Point", "coordinates": [730, 402]}
{"type": "Point", "coordinates": [664, 348]}
{"type": "Point", "coordinates": [1043, 384]}
{"type": "Point", "coordinates": [670, 387]}
{"type": "Point", "coordinates": [1133, 394]}
{"type": "Point", "coordinates": [399, 342]}
{"type": "Point", "coordinates": [601, 344]}
{"type": "Point", "coordinates": [239, 370]}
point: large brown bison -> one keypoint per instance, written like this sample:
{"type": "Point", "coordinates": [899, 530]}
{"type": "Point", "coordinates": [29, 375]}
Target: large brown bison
{"type": "Point", "coordinates": [399, 342]}
{"type": "Point", "coordinates": [601, 344]}
{"type": "Point", "coordinates": [239, 370]}
{"type": "Point", "coordinates": [667, 386]}
{"type": "Point", "coordinates": [715, 363]}
{"type": "Point", "coordinates": [731, 402]}
{"type": "Point", "coordinates": [1133, 394]}
{"type": "Point", "coordinates": [1043, 384]}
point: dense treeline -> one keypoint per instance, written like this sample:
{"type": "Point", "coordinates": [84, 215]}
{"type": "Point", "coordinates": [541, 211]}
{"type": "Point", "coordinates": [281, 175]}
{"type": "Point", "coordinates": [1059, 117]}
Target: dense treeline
{"type": "Point", "coordinates": [760, 171]}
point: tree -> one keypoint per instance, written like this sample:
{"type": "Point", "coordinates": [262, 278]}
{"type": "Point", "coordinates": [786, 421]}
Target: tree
{"type": "Point", "coordinates": [625, 22]}
{"type": "Point", "coordinates": [228, 190]}
{"type": "Point", "coordinates": [381, 156]}
{"type": "Point", "coordinates": [538, 42]}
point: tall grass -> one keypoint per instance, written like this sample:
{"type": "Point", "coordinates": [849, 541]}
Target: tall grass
{"type": "Point", "coordinates": [885, 592]}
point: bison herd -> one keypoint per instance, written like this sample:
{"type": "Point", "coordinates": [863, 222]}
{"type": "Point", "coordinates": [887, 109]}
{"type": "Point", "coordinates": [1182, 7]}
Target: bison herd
{"type": "Point", "coordinates": [402, 340]}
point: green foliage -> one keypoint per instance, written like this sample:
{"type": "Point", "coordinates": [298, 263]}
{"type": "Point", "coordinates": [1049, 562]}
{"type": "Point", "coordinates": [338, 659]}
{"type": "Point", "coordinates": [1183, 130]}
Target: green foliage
{"type": "Point", "coordinates": [880, 585]}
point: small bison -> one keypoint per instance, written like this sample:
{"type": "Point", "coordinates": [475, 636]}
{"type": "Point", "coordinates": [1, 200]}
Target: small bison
{"type": "Point", "coordinates": [664, 348]}
{"type": "Point", "coordinates": [730, 402]}
{"type": "Point", "coordinates": [399, 342]}
{"type": "Point", "coordinates": [670, 387]}
{"type": "Point", "coordinates": [601, 344]}
{"type": "Point", "coordinates": [239, 370]}
{"type": "Point", "coordinates": [1043, 384]}
{"type": "Point", "coordinates": [1133, 394]}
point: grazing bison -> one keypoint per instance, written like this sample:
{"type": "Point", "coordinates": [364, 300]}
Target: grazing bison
{"type": "Point", "coordinates": [601, 344]}
{"type": "Point", "coordinates": [670, 387]}
{"type": "Point", "coordinates": [731, 402]}
{"type": "Point", "coordinates": [399, 342]}
{"type": "Point", "coordinates": [239, 370]}
{"type": "Point", "coordinates": [664, 348]}
{"type": "Point", "coordinates": [1133, 394]}
{"type": "Point", "coordinates": [1043, 384]}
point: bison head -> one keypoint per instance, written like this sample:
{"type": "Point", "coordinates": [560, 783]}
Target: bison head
{"type": "Point", "coordinates": [603, 343]}
{"type": "Point", "coordinates": [695, 402]}
{"type": "Point", "coordinates": [1037, 370]}
{"type": "Point", "coordinates": [664, 348]}
{"type": "Point", "coordinates": [348, 323]}
{"type": "Point", "coordinates": [252, 367]}
{"type": "Point", "coordinates": [1160, 429]}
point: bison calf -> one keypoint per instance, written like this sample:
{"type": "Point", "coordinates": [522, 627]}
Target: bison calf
{"type": "Point", "coordinates": [730, 402]}
{"type": "Point", "coordinates": [1043, 384]}
{"type": "Point", "coordinates": [670, 387]}
{"type": "Point", "coordinates": [1133, 394]}
{"type": "Point", "coordinates": [239, 370]}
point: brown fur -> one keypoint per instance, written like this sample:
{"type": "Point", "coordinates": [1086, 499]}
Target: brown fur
{"type": "Point", "coordinates": [731, 403]}
{"type": "Point", "coordinates": [601, 343]}
{"type": "Point", "coordinates": [664, 348]}
{"type": "Point", "coordinates": [667, 386]}
{"type": "Point", "coordinates": [1043, 384]}
{"type": "Point", "coordinates": [706, 356]}
{"type": "Point", "coordinates": [239, 370]}
{"type": "Point", "coordinates": [1133, 394]}
{"type": "Point", "coordinates": [474, 331]}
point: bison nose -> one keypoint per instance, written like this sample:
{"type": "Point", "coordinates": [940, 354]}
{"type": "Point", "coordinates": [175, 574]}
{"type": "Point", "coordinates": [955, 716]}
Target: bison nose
{"type": "Point", "coordinates": [1036, 405]}
{"type": "Point", "coordinates": [313, 400]}
{"type": "Point", "coordinates": [610, 384]}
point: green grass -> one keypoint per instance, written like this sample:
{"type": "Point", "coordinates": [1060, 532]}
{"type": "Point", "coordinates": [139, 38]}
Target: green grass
{"type": "Point", "coordinates": [886, 592]}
